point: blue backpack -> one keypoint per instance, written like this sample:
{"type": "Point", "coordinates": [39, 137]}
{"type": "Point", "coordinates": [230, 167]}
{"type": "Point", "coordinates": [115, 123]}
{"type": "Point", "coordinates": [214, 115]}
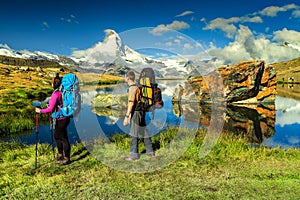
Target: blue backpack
{"type": "Point", "coordinates": [70, 96]}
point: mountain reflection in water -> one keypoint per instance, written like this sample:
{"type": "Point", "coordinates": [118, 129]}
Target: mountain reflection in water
{"type": "Point", "coordinates": [255, 122]}
{"type": "Point", "coordinates": [272, 126]}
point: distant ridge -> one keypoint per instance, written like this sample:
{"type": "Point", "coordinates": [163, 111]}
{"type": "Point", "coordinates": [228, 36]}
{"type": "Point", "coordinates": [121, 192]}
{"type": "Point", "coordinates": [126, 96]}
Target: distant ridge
{"type": "Point", "coordinates": [112, 56]}
{"type": "Point", "coordinates": [287, 71]}
{"type": "Point", "coordinates": [8, 60]}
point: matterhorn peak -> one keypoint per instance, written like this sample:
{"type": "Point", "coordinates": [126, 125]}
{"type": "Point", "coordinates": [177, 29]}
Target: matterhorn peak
{"type": "Point", "coordinates": [108, 50]}
{"type": "Point", "coordinates": [111, 34]}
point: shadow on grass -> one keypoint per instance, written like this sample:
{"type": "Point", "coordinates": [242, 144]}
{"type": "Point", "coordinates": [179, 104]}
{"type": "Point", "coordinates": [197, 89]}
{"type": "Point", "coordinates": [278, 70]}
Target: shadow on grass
{"type": "Point", "coordinates": [80, 154]}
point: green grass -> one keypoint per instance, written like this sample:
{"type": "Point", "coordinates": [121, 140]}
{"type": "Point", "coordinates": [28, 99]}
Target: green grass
{"type": "Point", "coordinates": [15, 122]}
{"type": "Point", "coordinates": [110, 82]}
{"type": "Point", "coordinates": [10, 123]}
{"type": "Point", "coordinates": [286, 69]}
{"type": "Point", "coordinates": [232, 170]}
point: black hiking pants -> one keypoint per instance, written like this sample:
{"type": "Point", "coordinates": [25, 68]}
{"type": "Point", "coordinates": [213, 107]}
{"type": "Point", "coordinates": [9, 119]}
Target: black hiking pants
{"type": "Point", "coordinates": [61, 137]}
{"type": "Point", "coordinates": [138, 129]}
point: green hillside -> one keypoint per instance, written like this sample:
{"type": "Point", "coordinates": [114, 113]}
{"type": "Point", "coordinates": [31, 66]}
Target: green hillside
{"type": "Point", "coordinates": [288, 69]}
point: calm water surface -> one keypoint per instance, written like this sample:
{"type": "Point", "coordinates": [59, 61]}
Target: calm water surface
{"type": "Point", "coordinates": [271, 127]}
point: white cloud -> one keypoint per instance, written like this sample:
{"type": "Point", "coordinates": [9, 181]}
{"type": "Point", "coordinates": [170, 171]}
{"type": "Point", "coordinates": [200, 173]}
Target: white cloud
{"type": "Point", "coordinates": [185, 13]}
{"type": "Point", "coordinates": [187, 46]}
{"type": "Point", "coordinates": [288, 111]}
{"type": "Point", "coordinates": [79, 53]}
{"type": "Point", "coordinates": [45, 25]}
{"type": "Point", "coordinates": [222, 24]}
{"type": "Point", "coordinates": [168, 44]}
{"type": "Point", "coordinates": [296, 13]}
{"type": "Point", "coordinates": [175, 25]}
{"type": "Point", "coordinates": [227, 25]}
{"type": "Point", "coordinates": [255, 19]}
{"type": "Point", "coordinates": [286, 35]}
{"type": "Point", "coordinates": [180, 37]}
{"type": "Point", "coordinates": [177, 41]}
{"type": "Point", "coordinates": [272, 11]}
{"type": "Point", "coordinates": [246, 47]}
{"type": "Point", "coordinates": [193, 19]}
{"type": "Point", "coordinates": [267, 29]}
{"type": "Point", "coordinates": [70, 19]}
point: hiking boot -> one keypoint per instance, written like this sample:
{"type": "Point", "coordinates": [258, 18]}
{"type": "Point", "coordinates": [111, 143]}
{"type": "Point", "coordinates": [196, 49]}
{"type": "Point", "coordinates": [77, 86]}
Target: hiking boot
{"type": "Point", "coordinates": [150, 154]}
{"type": "Point", "coordinates": [130, 158]}
{"type": "Point", "coordinates": [58, 159]}
{"type": "Point", "coordinates": [65, 162]}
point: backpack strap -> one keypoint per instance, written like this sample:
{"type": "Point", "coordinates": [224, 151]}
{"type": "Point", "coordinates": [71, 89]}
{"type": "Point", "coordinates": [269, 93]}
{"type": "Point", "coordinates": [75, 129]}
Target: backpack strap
{"type": "Point", "coordinates": [57, 114]}
{"type": "Point", "coordinates": [137, 94]}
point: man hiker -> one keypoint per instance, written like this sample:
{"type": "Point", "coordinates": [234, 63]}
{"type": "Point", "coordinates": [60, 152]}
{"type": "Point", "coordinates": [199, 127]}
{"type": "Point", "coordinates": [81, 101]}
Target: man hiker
{"type": "Point", "coordinates": [136, 118]}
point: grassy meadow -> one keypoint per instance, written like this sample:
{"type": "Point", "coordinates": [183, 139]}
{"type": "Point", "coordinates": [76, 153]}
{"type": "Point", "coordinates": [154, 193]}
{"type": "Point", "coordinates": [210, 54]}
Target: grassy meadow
{"type": "Point", "coordinates": [288, 69]}
{"type": "Point", "coordinates": [18, 88]}
{"type": "Point", "coordinates": [232, 170]}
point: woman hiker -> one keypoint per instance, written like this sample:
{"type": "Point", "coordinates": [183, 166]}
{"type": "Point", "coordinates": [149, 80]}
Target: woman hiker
{"type": "Point", "coordinates": [60, 130]}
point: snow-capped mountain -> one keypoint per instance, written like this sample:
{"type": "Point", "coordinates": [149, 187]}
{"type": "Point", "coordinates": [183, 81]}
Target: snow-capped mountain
{"type": "Point", "coordinates": [110, 53]}
{"type": "Point", "coordinates": [294, 46]}
{"type": "Point", "coordinates": [111, 56]}
{"type": "Point", "coordinates": [5, 50]}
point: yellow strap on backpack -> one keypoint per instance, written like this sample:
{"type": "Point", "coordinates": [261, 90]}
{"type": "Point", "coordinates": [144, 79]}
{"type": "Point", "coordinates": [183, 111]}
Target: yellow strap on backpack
{"type": "Point", "coordinates": [147, 90]}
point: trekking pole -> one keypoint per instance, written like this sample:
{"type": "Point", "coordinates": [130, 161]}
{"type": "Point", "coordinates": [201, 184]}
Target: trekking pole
{"type": "Point", "coordinates": [51, 131]}
{"type": "Point", "coordinates": [36, 136]}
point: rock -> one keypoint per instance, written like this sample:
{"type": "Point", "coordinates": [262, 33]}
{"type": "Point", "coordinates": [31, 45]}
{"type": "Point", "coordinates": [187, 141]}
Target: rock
{"type": "Point", "coordinates": [108, 112]}
{"type": "Point", "coordinates": [39, 69]}
{"type": "Point", "coordinates": [52, 74]}
{"type": "Point", "coordinates": [110, 101]}
{"type": "Point", "coordinates": [245, 82]}
{"type": "Point", "coordinates": [24, 68]}
{"type": "Point", "coordinates": [177, 94]}
{"type": "Point", "coordinates": [45, 82]}
{"type": "Point", "coordinates": [110, 105]}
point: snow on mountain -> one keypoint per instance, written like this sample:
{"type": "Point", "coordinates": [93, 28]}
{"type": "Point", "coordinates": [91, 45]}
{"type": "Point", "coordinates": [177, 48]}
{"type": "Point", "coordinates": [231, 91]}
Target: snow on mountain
{"type": "Point", "coordinates": [5, 50]}
{"type": "Point", "coordinates": [113, 56]}
{"type": "Point", "coordinates": [294, 46]}
{"type": "Point", "coordinates": [111, 50]}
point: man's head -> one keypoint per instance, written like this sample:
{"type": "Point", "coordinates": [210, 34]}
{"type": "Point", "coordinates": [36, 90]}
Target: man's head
{"type": "Point", "coordinates": [130, 76]}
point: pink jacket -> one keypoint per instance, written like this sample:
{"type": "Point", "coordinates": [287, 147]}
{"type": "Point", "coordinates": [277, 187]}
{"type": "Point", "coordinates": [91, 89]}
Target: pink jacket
{"type": "Point", "coordinates": [54, 102]}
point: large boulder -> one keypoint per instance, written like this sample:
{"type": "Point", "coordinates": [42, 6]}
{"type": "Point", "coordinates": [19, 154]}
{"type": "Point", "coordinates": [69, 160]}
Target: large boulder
{"type": "Point", "coordinates": [110, 105]}
{"type": "Point", "coordinates": [245, 82]}
{"type": "Point", "coordinates": [110, 101]}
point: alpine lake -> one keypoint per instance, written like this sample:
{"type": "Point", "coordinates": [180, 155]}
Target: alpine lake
{"type": "Point", "coordinates": [277, 125]}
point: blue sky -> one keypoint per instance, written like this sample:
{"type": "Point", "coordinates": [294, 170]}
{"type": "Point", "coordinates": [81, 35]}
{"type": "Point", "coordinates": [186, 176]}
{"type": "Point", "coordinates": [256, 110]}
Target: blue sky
{"type": "Point", "coordinates": [61, 27]}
